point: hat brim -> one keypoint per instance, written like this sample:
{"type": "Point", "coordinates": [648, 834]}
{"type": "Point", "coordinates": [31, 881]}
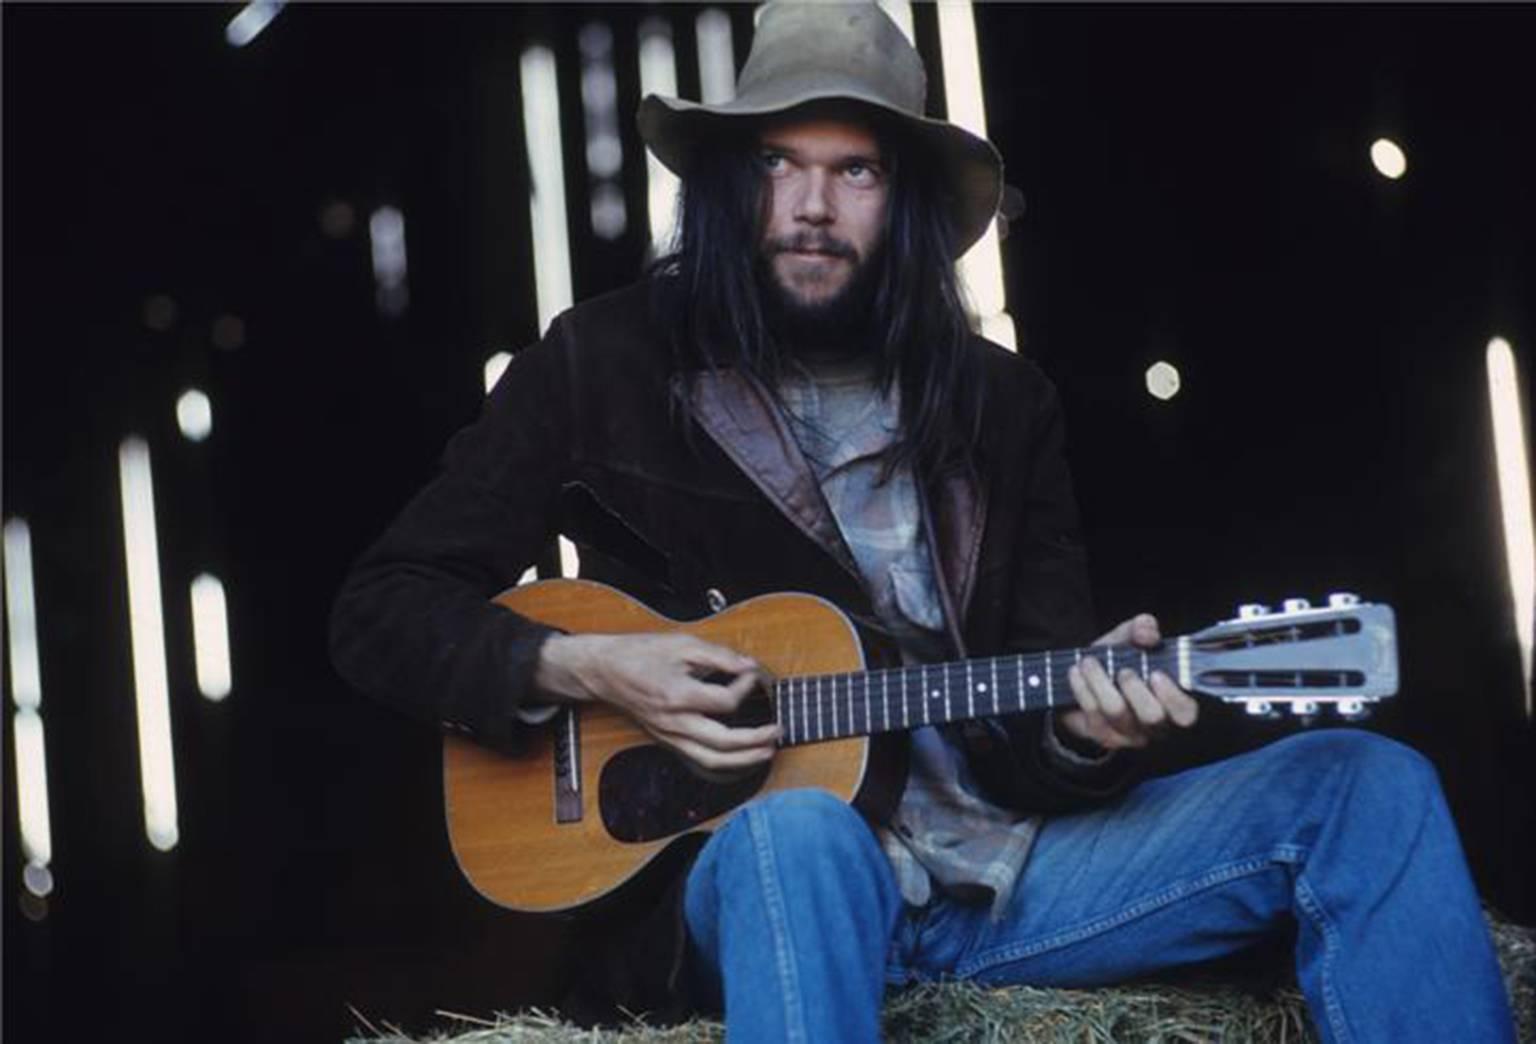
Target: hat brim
{"type": "Point", "coordinates": [972, 167]}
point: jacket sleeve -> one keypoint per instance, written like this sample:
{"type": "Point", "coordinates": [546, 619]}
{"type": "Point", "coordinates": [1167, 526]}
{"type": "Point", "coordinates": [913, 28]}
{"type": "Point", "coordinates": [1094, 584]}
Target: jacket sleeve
{"type": "Point", "coordinates": [413, 623]}
{"type": "Point", "coordinates": [1051, 607]}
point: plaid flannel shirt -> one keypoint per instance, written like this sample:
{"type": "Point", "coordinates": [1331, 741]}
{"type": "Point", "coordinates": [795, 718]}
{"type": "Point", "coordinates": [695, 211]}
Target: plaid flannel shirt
{"type": "Point", "coordinates": [943, 831]}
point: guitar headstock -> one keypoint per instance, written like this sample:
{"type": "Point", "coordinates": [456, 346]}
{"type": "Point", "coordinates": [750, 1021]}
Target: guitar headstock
{"type": "Point", "coordinates": [1342, 655]}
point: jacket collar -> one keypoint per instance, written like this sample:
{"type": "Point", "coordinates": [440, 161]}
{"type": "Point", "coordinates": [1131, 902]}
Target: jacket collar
{"type": "Point", "coordinates": [739, 414]}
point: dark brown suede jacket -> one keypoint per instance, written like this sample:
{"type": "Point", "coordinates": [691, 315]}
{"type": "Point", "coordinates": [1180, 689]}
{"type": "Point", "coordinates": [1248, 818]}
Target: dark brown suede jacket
{"type": "Point", "coordinates": [584, 435]}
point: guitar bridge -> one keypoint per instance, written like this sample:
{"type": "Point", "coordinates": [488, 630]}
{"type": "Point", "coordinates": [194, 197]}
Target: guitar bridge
{"type": "Point", "coordinates": [567, 742]}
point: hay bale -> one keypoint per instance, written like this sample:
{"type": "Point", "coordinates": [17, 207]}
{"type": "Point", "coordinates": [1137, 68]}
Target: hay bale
{"type": "Point", "coordinates": [1155, 1013]}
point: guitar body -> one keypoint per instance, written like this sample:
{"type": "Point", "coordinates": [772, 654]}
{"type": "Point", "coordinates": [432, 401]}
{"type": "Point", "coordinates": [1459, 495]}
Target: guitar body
{"type": "Point", "coordinates": [593, 799]}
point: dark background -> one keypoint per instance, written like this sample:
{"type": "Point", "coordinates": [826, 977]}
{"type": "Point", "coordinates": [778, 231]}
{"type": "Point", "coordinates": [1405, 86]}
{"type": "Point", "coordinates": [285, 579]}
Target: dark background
{"type": "Point", "coordinates": [1198, 191]}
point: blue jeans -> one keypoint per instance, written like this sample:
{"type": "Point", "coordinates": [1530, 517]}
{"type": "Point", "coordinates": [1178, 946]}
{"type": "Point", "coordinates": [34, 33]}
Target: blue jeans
{"type": "Point", "coordinates": [1340, 836]}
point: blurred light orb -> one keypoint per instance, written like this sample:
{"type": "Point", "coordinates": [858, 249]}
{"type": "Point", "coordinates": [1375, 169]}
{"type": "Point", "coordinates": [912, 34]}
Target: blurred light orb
{"type": "Point", "coordinates": [194, 414]}
{"type": "Point", "coordinates": [1388, 158]}
{"type": "Point", "coordinates": [609, 217]}
{"type": "Point", "coordinates": [228, 332]}
{"type": "Point", "coordinates": [160, 313]}
{"type": "Point", "coordinates": [38, 879]}
{"type": "Point", "coordinates": [1163, 381]}
{"type": "Point", "coordinates": [337, 219]}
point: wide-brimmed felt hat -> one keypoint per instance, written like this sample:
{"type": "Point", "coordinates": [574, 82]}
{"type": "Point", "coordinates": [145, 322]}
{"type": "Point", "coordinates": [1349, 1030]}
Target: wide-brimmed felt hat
{"type": "Point", "coordinates": [813, 52]}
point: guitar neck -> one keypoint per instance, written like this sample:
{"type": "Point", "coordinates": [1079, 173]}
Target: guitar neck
{"type": "Point", "coordinates": [814, 708]}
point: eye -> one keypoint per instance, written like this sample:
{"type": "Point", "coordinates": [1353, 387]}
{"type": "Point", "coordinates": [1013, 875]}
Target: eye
{"type": "Point", "coordinates": [773, 162]}
{"type": "Point", "coordinates": [861, 173]}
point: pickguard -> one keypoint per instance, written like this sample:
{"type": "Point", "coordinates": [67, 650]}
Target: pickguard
{"type": "Point", "coordinates": [650, 792]}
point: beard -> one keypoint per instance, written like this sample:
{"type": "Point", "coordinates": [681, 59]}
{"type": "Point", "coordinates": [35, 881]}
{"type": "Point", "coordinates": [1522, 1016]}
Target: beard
{"type": "Point", "coordinates": [840, 324]}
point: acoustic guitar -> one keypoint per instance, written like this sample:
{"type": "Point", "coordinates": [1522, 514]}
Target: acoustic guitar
{"type": "Point", "coordinates": [594, 799]}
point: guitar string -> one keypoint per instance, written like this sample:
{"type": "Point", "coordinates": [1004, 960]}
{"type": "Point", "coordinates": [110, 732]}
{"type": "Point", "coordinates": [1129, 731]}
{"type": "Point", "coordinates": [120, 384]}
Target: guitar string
{"type": "Point", "coordinates": [845, 688]}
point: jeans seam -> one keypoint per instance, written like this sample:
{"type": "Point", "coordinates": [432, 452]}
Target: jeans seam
{"type": "Point", "coordinates": [778, 924]}
{"type": "Point", "coordinates": [1149, 904]}
{"type": "Point", "coordinates": [1308, 901]}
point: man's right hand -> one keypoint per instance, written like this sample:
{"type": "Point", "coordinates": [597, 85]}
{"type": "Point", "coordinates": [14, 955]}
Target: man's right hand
{"type": "Point", "coordinates": [658, 680]}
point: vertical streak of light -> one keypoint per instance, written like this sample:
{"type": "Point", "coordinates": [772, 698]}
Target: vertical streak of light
{"type": "Point", "coordinates": [157, 769]}
{"type": "Point", "coordinates": [27, 693]}
{"type": "Point", "coordinates": [658, 75]}
{"type": "Point", "coordinates": [570, 560]}
{"type": "Point", "coordinates": [21, 616]}
{"type": "Point", "coordinates": [981, 268]}
{"type": "Point", "coordinates": [32, 788]}
{"type": "Point", "coordinates": [546, 165]}
{"type": "Point", "coordinates": [717, 56]}
{"type": "Point", "coordinates": [901, 13]}
{"type": "Point", "coordinates": [210, 637]}
{"type": "Point", "coordinates": [1512, 456]}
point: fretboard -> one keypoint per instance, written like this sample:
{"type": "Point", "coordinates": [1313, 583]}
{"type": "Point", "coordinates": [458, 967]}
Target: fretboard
{"type": "Point", "coordinates": [813, 708]}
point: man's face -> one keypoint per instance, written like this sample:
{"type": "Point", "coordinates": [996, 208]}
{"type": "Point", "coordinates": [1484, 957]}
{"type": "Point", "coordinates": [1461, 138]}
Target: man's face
{"type": "Point", "coordinates": [825, 195]}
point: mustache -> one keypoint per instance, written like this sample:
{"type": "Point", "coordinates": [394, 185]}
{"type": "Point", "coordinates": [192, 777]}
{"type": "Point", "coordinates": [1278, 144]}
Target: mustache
{"type": "Point", "coordinates": [821, 243]}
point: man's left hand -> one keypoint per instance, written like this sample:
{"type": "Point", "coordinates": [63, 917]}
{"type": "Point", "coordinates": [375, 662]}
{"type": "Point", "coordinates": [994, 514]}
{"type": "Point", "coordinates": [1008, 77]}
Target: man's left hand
{"type": "Point", "coordinates": [1125, 711]}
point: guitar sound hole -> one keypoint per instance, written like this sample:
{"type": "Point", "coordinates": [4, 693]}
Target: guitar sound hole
{"type": "Point", "coordinates": [648, 793]}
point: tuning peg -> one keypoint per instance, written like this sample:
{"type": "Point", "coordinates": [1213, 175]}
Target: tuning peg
{"type": "Point", "coordinates": [1343, 600]}
{"type": "Point", "coordinates": [1303, 708]}
{"type": "Point", "coordinates": [1251, 610]}
{"type": "Point", "coordinates": [1260, 708]}
{"type": "Point", "coordinates": [1353, 709]}
{"type": "Point", "coordinates": [1296, 605]}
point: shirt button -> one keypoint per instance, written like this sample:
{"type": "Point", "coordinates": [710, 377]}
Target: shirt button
{"type": "Point", "coordinates": [714, 599]}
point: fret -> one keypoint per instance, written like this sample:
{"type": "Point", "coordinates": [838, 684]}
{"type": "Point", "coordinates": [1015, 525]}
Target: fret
{"type": "Point", "coordinates": [905, 723]}
{"type": "Point", "coordinates": [885, 698]}
{"type": "Point", "coordinates": [923, 704]}
{"type": "Point", "coordinates": [835, 702]}
{"type": "Point", "coordinates": [994, 685]}
{"type": "Point", "coordinates": [1050, 683]}
{"type": "Point", "coordinates": [1145, 674]}
{"type": "Point", "coordinates": [818, 708]}
{"type": "Point", "coordinates": [1110, 649]}
{"type": "Point", "coordinates": [949, 714]}
{"type": "Point", "coordinates": [970, 692]}
{"type": "Point", "coordinates": [805, 708]}
{"type": "Point", "coordinates": [788, 710]}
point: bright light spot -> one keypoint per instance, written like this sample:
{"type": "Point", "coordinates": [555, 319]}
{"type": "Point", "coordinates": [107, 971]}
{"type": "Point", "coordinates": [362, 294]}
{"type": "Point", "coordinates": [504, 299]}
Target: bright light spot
{"type": "Point", "coordinates": [1163, 380]}
{"type": "Point", "coordinates": [658, 75]}
{"type": "Point", "coordinates": [998, 328]}
{"type": "Point", "coordinates": [1511, 451]}
{"type": "Point", "coordinates": [570, 561]}
{"type": "Point", "coordinates": [605, 149]}
{"type": "Point", "coordinates": [210, 636]}
{"type": "Point", "coordinates": [386, 234]}
{"type": "Point", "coordinates": [495, 366]}
{"type": "Point", "coordinates": [38, 879]}
{"type": "Point", "coordinates": [717, 56]}
{"type": "Point", "coordinates": [157, 770]}
{"type": "Point", "coordinates": [1388, 158]}
{"type": "Point", "coordinates": [529, 576]}
{"type": "Point", "coordinates": [546, 203]}
{"type": "Point", "coordinates": [21, 616]}
{"type": "Point", "coordinates": [252, 19]}
{"type": "Point", "coordinates": [901, 13]}
{"type": "Point", "coordinates": [194, 414]}
{"type": "Point", "coordinates": [228, 332]}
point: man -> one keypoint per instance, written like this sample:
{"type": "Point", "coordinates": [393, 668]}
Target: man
{"type": "Point", "coordinates": [794, 401]}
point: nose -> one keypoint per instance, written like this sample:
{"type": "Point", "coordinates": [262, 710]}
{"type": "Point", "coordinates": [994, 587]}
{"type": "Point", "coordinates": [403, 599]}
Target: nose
{"type": "Point", "coordinates": [813, 203]}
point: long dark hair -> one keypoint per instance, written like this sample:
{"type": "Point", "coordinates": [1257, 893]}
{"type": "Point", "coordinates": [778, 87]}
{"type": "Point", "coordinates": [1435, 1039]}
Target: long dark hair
{"type": "Point", "coordinates": [708, 292]}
